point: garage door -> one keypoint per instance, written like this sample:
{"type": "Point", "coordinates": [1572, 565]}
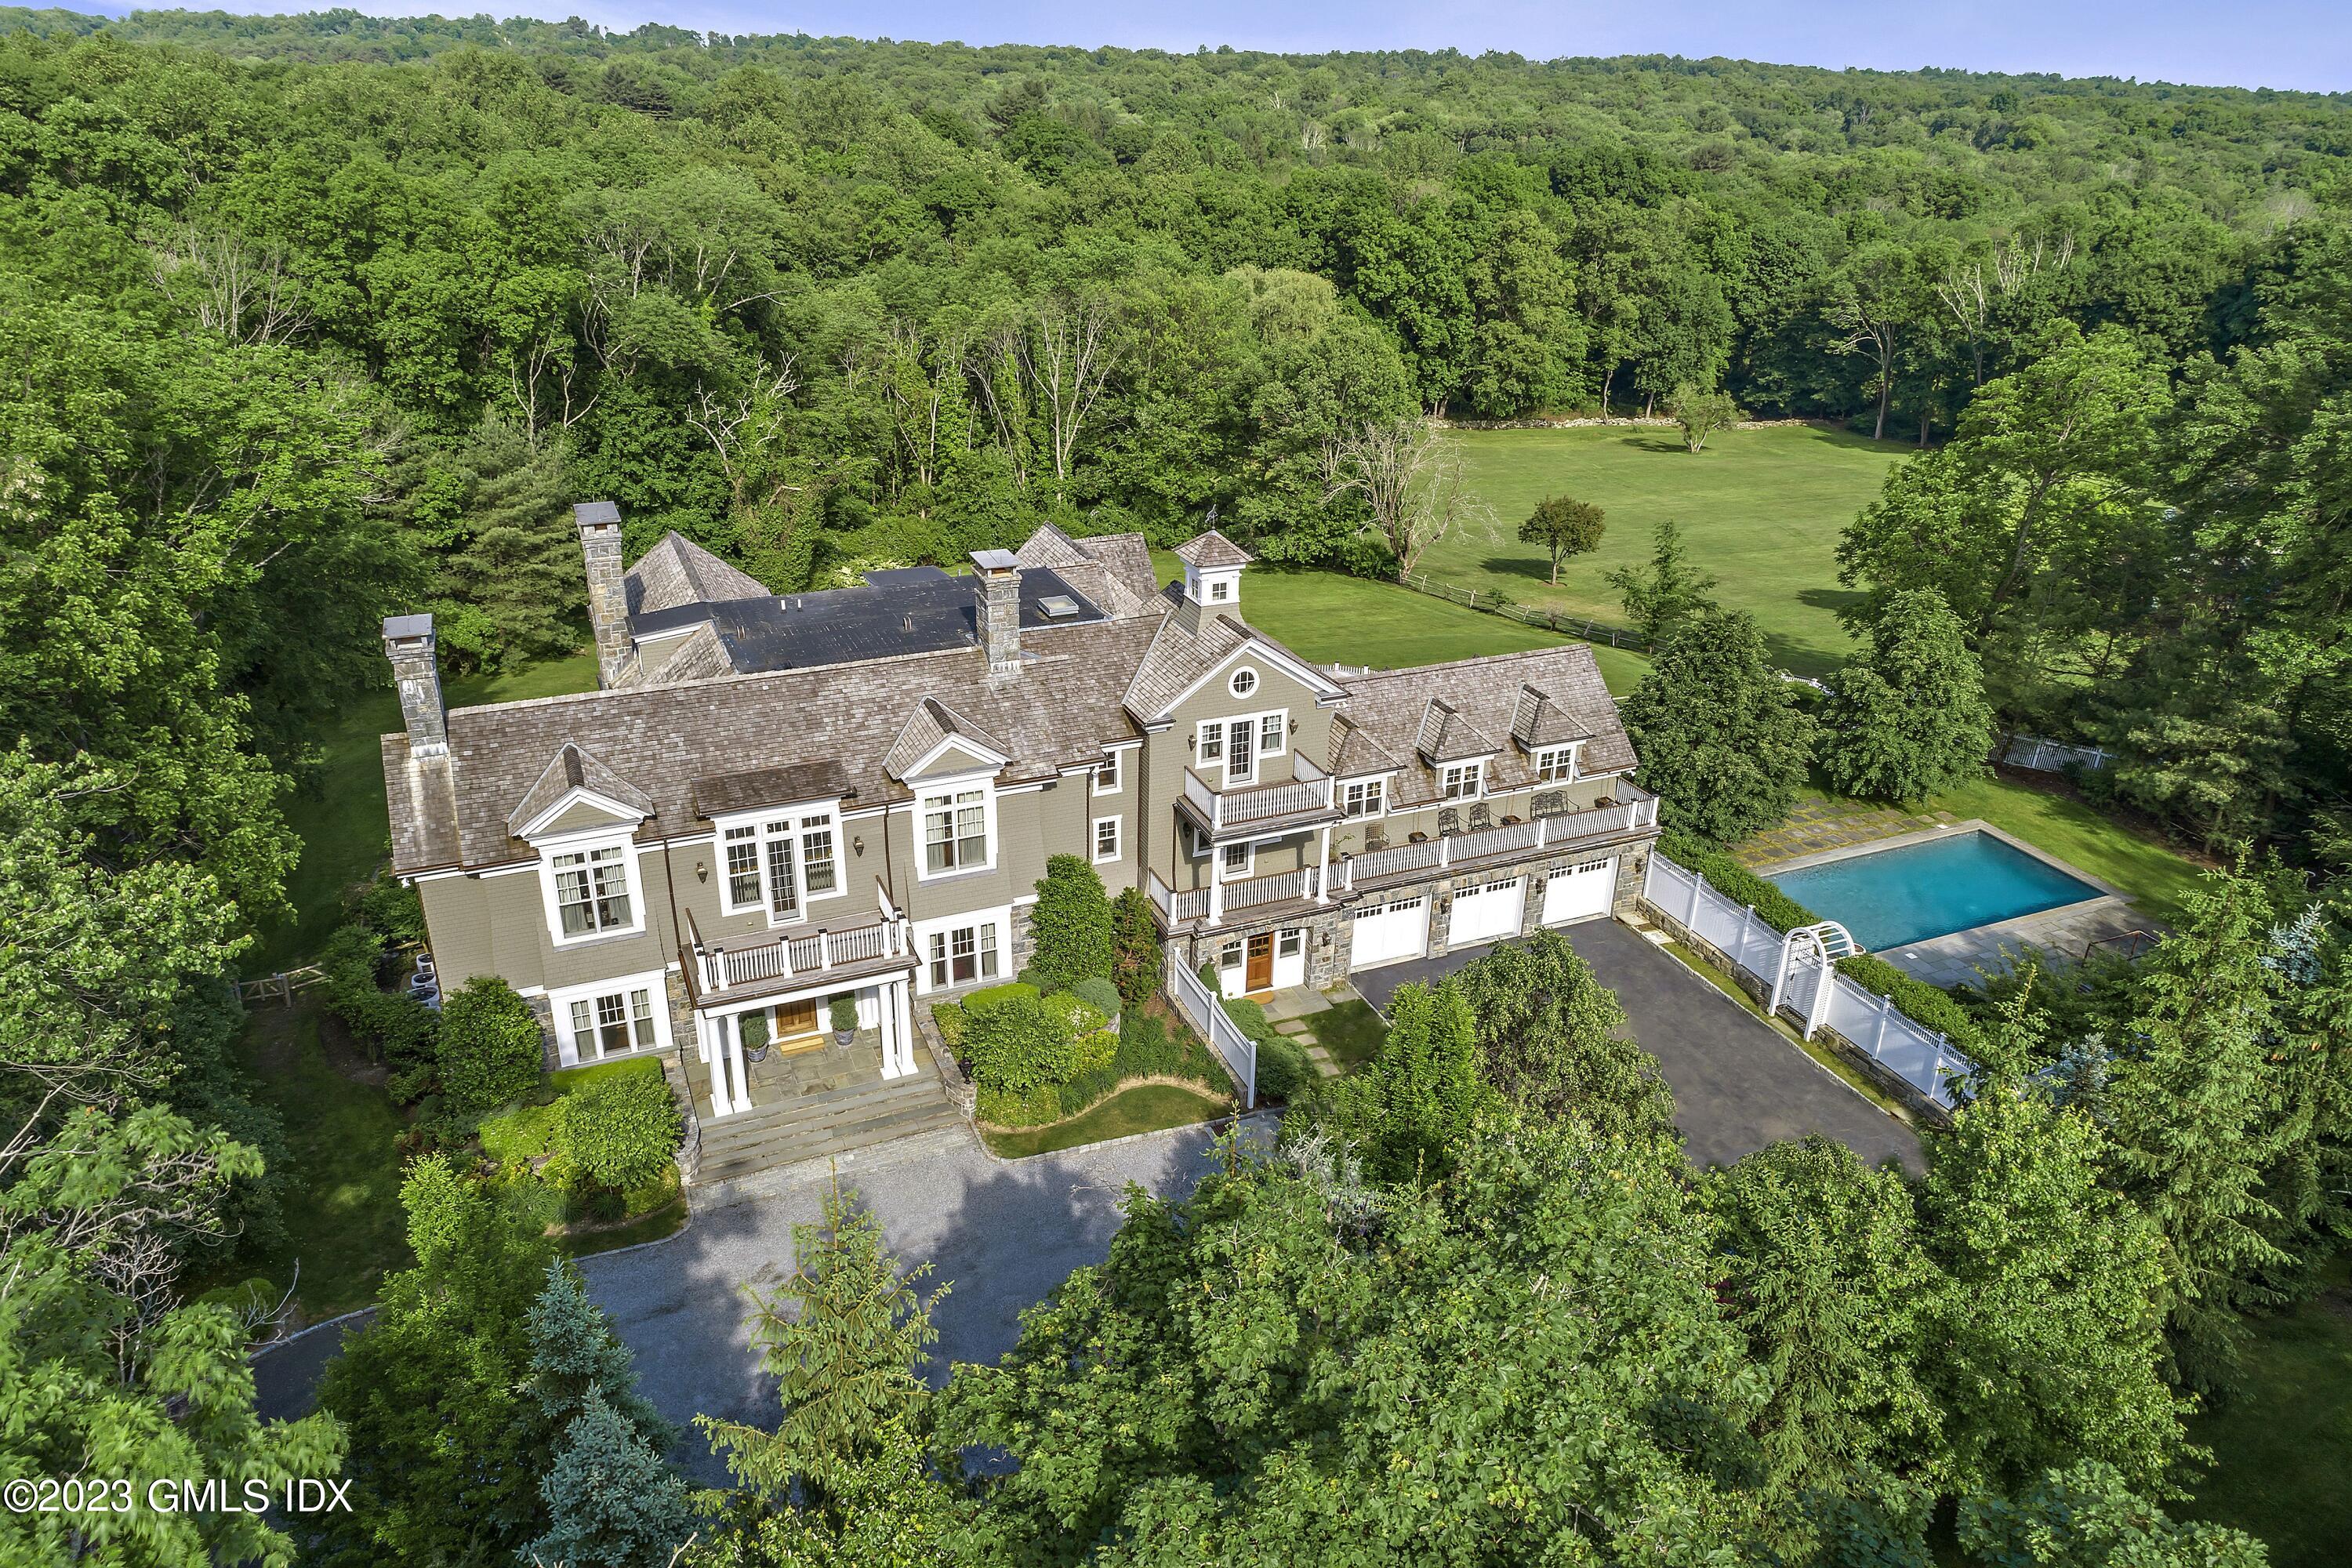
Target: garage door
{"type": "Point", "coordinates": [1579, 892]}
{"type": "Point", "coordinates": [1388, 932]}
{"type": "Point", "coordinates": [1488, 911]}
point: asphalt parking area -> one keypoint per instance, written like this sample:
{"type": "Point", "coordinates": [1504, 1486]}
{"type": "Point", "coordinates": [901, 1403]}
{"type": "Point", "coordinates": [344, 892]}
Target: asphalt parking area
{"type": "Point", "coordinates": [1737, 1085]}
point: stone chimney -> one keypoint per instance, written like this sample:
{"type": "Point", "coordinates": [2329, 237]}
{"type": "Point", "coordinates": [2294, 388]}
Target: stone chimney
{"type": "Point", "coordinates": [999, 609]}
{"type": "Point", "coordinates": [408, 642]}
{"type": "Point", "coordinates": [608, 591]}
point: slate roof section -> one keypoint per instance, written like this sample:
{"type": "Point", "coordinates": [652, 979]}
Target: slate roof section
{"type": "Point", "coordinates": [789, 785]}
{"type": "Point", "coordinates": [1388, 707]}
{"type": "Point", "coordinates": [677, 572]}
{"type": "Point", "coordinates": [1211, 551]}
{"type": "Point", "coordinates": [931, 722]}
{"type": "Point", "coordinates": [571, 768]}
{"type": "Point", "coordinates": [1058, 712]}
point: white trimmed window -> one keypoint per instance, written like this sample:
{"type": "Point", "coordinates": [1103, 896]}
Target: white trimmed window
{"type": "Point", "coordinates": [591, 892]}
{"type": "Point", "coordinates": [1243, 681]}
{"type": "Point", "coordinates": [610, 1018]}
{"type": "Point", "coordinates": [1106, 838]}
{"type": "Point", "coordinates": [955, 831]}
{"type": "Point", "coordinates": [1106, 774]}
{"type": "Point", "coordinates": [1235, 862]}
{"type": "Point", "coordinates": [962, 955]}
{"type": "Point", "coordinates": [1462, 781]}
{"type": "Point", "coordinates": [778, 864]}
{"type": "Point", "coordinates": [1366, 797]}
{"type": "Point", "coordinates": [1556, 764]}
{"type": "Point", "coordinates": [1236, 744]}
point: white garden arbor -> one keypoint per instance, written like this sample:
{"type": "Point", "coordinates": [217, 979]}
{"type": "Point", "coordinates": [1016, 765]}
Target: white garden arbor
{"type": "Point", "coordinates": [1808, 956]}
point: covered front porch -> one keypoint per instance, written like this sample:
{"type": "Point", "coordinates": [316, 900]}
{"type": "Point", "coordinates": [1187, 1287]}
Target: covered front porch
{"type": "Point", "coordinates": [782, 1047]}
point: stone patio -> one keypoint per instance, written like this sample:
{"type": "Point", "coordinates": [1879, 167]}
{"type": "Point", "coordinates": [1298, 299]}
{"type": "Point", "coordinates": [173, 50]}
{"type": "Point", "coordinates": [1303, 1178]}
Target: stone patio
{"type": "Point", "coordinates": [1817, 825]}
{"type": "Point", "coordinates": [818, 1069]}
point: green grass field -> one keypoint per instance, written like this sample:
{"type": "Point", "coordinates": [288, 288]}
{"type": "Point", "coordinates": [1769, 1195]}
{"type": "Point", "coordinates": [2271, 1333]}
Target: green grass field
{"type": "Point", "coordinates": [340, 817]}
{"type": "Point", "coordinates": [1147, 1108]}
{"type": "Point", "coordinates": [1763, 511]}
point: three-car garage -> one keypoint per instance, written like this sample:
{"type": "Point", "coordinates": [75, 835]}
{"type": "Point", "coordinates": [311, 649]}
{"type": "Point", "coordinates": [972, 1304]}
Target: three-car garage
{"type": "Point", "coordinates": [1481, 912]}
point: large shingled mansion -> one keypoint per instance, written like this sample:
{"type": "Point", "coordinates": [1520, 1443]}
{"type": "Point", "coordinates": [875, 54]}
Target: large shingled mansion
{"type": "Point", "coordinates": [775, 800]}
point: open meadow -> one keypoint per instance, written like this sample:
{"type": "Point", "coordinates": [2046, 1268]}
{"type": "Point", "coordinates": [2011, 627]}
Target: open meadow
{"type": "Point", "coordinates": [1761, 509]}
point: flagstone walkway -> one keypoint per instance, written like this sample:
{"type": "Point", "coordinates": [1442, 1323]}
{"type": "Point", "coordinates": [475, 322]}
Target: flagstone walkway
{"type": "Point", "coordinates": [1817, 825]}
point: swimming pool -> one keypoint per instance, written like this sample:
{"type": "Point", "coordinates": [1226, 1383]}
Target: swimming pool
{"type": "Point", "coordinates": [1890, 897]}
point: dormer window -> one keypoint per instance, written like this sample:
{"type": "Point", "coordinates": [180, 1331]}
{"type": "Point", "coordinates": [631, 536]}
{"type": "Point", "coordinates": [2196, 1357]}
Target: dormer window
{"type": "Point", "coordinates": [591, 891]}
{"type": "Point", "coordinates": [1556, 764]}
{"type": "Point", "coordinates": [1462, 781]}
{"type": "Point", "coordinates": [955, 831]}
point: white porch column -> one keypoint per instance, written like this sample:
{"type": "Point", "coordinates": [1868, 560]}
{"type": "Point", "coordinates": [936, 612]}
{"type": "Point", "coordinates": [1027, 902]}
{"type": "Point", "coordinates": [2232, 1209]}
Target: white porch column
{"type": "Point", "coordinates": [1323, 875]}
{"type": "Point", "coordinates": [1216, 885]}
{"type": "Point", "coordinates": [895, 1051]}
{"type": "Point", "coordinates": [739, 1085]}
{"type": "Point", "coordinates": [714, 1031]}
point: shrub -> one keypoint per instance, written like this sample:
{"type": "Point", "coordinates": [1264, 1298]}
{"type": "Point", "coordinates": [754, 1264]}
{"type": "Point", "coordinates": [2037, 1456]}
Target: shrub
{"type": "Point", "coordinates": [395, 1028]}
{"type": "Point", "coordinates": [1027, 1108]}
{"type": "Point", "coordinates": [842, 1013]}
{"type": "Point", "coordinates": [1101, 996]}
{"type": "Point", "coordinates": [618, 1130]}
{"type": "Point", "coordinates": [1016, 1043]}
{"type": "Point", "coordinates": [948, 1017]}
{"type": "Point", "coordinates": [1135, 948]}
{"type": "Point", "coordinates": [1282, 1069]}
{"type": "Point", "coordinates": [392, 909]}
{"type": "Point", "coordinates": [1069, 925]}
{"type": "Point", "coordinates": [489, 1048]}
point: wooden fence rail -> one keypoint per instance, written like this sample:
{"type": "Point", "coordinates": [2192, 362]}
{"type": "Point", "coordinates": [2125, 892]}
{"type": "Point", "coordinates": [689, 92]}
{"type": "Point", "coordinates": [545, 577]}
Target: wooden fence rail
{"type": "Point", "coordinates": [282, 985]}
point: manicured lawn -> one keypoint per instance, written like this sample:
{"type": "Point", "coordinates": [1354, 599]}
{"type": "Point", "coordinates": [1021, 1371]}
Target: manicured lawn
{"type": "Point", "coordinates": [1763, 511]}
{"type": "Point", "coordinates": [340, 817]}
{"type": "Point", "coordinates": [1350, 1031]}
{"type": "Point", "coordinates": [1328, 617]}
{"type": "Point", "coordinates": [2283, 1450]}
{"type": "Point", "coordinates": [1147, 1108]}
{"type": "Point", "coordinates": [343, 1220]}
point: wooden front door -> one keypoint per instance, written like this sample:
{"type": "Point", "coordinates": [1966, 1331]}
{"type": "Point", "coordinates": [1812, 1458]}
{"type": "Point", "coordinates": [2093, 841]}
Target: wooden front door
{"type": "Point", "coordinates": [795, 1018]}
{"type": "Point", "coordinates": [1259, 976]}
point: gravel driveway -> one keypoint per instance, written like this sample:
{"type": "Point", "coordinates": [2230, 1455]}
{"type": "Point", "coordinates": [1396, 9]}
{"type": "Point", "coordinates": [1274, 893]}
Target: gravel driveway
{"type": "Point", "coordinates": [1003, 1233]}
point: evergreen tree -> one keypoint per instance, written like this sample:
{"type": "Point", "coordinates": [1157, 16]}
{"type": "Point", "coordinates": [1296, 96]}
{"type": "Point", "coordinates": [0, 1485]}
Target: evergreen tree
{"type": "Point", "coordinates": [1411, 1110]}
{"type": "Point", "coordinates": [496, 513]}
{"type": "Point", "coordinates": [575, 1354]}
{"type": "Point", "coordinates": [1721, 738]}
{"type": "Point", "coordinates": [1908, 716]}
{"type": "Point", "coordinates": [1666, 593]}
{"type": "Point", "coordinates": [1070, 928]}
{"type": "Point", "coordinates": [611, 1502]}
{"type": "Point", "coordinates": [847, 1362]}
{"type": "Point", "coordinates": [2192, 1109]}
{"type": "Point", "coordinates": [1564, 527]}
{"type": "Point", "coordinates": [1135, 956]}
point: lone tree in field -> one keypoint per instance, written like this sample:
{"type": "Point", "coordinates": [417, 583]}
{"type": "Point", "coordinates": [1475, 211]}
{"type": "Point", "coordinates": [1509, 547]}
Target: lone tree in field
{"type": "Point", "coordinates": [1721, 738]}
{"type": "Point", "coordinates": [1667, 592]}
{"type": "Point", "coordinates": [1700, 413]}
{"type": "Point", "coordinates": [1413, 482]}
{"type": "Point", "coordinates": [1908, 716]}
{"type": "Point", "coordinates": [1564, 527]}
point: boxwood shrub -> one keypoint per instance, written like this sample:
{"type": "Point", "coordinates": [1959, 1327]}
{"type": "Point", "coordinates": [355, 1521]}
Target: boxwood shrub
{"type": "Point", "coordinates": [1100, 994]}
{"type": "Point", "coordinates": [618, 1130]}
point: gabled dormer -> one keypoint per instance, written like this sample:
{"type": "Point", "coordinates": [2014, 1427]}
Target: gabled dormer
{"type": "Point", "coordinates": [1456, 751]}
{"type": "Point", "coordinates": [951, 764]}
{"type": "Point", "coordinates": [583, 818]}
{"type": "Point", "coordinates": [1549, 735]}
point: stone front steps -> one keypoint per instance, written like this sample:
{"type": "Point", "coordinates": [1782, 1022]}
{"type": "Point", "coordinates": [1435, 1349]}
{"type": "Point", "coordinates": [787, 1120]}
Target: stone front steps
{"type": "Point", "coordinates": [1317, 1054]}
{"type": "Point", "coordinates": [813, 1126]}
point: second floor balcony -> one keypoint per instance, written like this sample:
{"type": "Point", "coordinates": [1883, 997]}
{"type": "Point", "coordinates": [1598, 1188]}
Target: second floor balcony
{"type": "Point", "coordinates": [1253, 810]}
{"type": "Point", "coordinates": [746, 966]}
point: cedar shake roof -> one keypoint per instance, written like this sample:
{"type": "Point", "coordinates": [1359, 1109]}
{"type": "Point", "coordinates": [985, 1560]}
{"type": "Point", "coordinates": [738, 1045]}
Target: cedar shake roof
{"type": "Point", "coordinates": [931, 722]}
{"type": "Point", "coordinates": [571, 768]}
{"type": "Point", "coordinates": [727, 793]}
{"type": "Point", "coordinates": [1537, 720]}
{"type": "Point", "coordinates": [1390, 708]}
{"type": "Point", "coordinates": [1058, 711]}
{"type": "Point", "coordinates": [677, 572]}
{"type": "Point", "coordinates": [1184, 648]}
{"type": "Point", "coordinates": [1446, 736]}
{"type": "Point", "coordinates": [1354, 752]}
{"type": "Point", "coordinates": [1113, 570]}
{"type": "Point", "coordinates": [1211, 551]}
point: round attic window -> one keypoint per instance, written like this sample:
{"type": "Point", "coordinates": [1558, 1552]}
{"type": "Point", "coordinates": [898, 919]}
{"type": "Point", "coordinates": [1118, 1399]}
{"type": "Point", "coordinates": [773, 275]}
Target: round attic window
{"type": "Point", "coordinates": [1243, 682]}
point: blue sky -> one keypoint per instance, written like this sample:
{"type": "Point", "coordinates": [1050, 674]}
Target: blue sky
{"type": "Point", "coordinates": [2301, 44]}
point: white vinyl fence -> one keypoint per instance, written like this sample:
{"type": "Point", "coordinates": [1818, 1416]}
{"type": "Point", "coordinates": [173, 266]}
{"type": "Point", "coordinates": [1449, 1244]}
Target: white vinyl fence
{"type": "Point", "coordinates": [1909, 1050]}
{"type": "Point", "coordinates": [1208, 1016]}
{"type": "Point", "coordinates": [2054, 756]}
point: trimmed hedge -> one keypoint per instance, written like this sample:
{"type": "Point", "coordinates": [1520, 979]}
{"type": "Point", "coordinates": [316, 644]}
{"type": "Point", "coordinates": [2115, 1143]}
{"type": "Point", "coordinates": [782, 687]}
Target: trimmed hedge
{"type": "Point", "coordinates": [1913, 998]}
{"type": "Point", "coordinates": [1100, 994]}
{"type": "Point", "coordinates": [620, 1130]}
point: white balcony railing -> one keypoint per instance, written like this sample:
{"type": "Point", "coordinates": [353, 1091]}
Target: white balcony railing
{"type": "Point", "coordinates": [749, 961]}
{"type": "Point", "coordinates": [1486, 843]}
{"type": "Point", "coordinates": [1267, 803]}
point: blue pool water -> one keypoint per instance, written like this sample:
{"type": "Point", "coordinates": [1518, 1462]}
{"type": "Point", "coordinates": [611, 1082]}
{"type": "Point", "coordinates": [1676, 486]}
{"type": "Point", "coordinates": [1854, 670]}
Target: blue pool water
{"type": "Point", "coordinates": [1897, 896]}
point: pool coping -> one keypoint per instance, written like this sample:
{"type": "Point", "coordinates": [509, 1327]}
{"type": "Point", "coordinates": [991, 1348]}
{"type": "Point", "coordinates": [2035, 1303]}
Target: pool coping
{"type": "Point", "coordinates": [1939, 959]}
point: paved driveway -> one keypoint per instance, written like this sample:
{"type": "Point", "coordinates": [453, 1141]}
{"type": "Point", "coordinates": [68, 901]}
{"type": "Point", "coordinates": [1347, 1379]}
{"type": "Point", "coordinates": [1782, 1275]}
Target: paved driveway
{"type": "Point", "coordinates": [1003, 1235]}
{"type": "Point", "coordinates": [1737, 1085]}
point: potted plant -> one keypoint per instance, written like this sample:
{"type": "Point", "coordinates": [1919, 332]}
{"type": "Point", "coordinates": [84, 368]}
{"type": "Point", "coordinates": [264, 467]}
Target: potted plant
{"type": "Point", "coordinates": [844, 1016]}
{"type": "Point", "coordinates": [755, 1036]}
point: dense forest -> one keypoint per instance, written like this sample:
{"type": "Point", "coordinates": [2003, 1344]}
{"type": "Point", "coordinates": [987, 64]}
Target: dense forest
{"type": "Point", "coordinates": [307, 320]}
